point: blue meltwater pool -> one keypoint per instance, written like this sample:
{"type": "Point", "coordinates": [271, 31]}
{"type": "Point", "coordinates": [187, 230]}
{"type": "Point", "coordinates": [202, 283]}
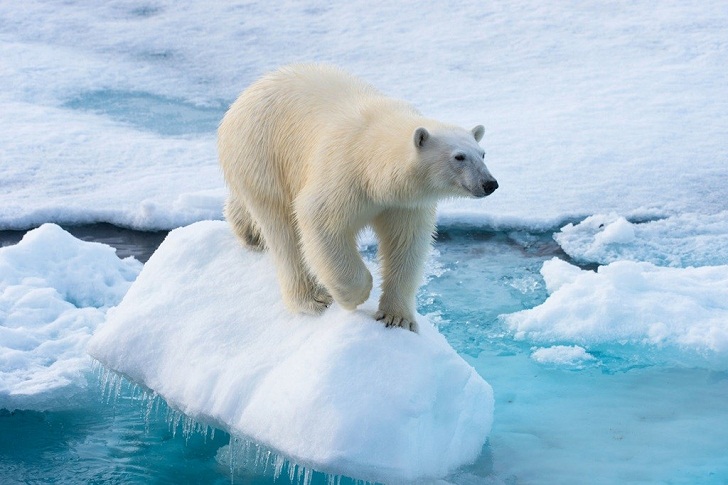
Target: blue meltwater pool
{"type": "Point", "coordinates": [613, 412]}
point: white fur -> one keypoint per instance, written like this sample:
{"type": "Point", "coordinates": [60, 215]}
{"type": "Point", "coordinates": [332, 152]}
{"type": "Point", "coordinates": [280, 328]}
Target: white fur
{"type": "Point", "coordinates": [311, 156]}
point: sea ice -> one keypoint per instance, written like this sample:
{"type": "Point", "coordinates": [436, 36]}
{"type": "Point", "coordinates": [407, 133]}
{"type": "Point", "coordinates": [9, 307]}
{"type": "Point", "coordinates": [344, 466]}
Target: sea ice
{"type": "Point", "coordinates": [205, 328]}
{"type": "Point", "coordinates": [681, 240]}
{"type": "Point", "coordinates": [631, 302]}
{"type": "Point", "coordinates": [610, 109]}
{"type": "Point", "coordinates": [54, 291]}
{"type": "Point", "coordinates": [565, 355]}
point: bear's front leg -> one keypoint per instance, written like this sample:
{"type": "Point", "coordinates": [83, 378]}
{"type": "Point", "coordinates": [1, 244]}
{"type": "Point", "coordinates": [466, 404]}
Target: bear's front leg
{"type": "Point", "coordinates": [331, 254]}
{"type": "Point", "coordinates": [405, 237]}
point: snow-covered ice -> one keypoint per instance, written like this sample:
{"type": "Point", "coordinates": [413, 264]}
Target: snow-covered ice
{"type": "Point", "coordinates": [632, 302]}
{"type": "Point", "coordinates": [54, 292]}
{"type": "Point", "coordinates": [589, 108]}
{"type": "Point", "coordinates": [204, 327]}
{"type": "Point", "coordinates": [679, 241]}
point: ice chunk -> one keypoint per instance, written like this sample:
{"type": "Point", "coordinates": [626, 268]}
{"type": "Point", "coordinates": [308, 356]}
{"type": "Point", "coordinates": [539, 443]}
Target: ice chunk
{"type": "Point", "coordinates": [684, 240]}
{"type": "Point", "coordinates": [565, 355]}
{"type": "Point", "coordinates": [205, 328]}
{"type": "Point", "coordinates": [54, 291]}
{"type": "Point", "coordinates": [636, 302]}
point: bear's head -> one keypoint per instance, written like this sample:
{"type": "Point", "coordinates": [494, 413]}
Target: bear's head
{"type": "Point", "coordinates": [453, 161]}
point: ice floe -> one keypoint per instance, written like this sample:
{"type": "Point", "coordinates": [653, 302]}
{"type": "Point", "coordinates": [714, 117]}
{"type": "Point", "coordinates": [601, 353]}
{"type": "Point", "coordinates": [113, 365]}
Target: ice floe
{"type": "Point", "coordinates": [681, 240]}
{"type": "Point", "coordinates": [631, 302]}
{"type": "Point", "coordinates": [565, 355]}
{"type": "Point", "coordinates": [617, 110]}
{"type": "Point", "coordinates": [204, 327]}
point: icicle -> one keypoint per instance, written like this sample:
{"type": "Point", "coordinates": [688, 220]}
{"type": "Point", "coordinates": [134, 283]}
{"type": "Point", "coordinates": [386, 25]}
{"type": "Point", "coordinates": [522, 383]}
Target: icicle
{"type": "Point", "coordinates": [260, 466]}
{"type": "Point", "coordinates": [189, 426]}
{"type": "Point", "coordinates": [278, 467]}
{"type": "Point", "coordinates": [266, 463]}
{"type": "Point", "coordinates": [334, 480]}
{"type": "Point", "coordinates": [104, 381]}
{"type": "Point", "coordinates": [117, 388]}
{"type": "Point", "coordinates": [231, 445]}
{"type": "Point", "coordinates": [149, 400]}
{"type": "Point", "coordinates": [307, 476]}
{"type": "Point", "coordinates": [173, 419]}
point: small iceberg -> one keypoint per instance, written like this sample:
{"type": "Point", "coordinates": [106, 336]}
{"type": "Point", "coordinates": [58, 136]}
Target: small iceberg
{"type": "Point", "coordinates": [204, 327]}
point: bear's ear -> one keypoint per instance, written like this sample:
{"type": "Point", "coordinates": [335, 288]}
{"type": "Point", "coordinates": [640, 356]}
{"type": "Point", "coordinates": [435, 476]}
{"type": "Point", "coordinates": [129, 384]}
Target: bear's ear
{"type": "Point", "coordinates": [478, 132]}
{"type": "Point", "coordinates": [421, 136]}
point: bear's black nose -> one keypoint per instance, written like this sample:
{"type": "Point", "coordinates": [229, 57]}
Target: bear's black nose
{"type": "Point", "coordinates": [490, 186]}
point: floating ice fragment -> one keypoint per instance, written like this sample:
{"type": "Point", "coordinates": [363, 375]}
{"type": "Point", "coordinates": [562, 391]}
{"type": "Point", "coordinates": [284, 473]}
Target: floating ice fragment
{"type": "Point", "coordinates": [204, 327]}
{"type": "Point", "coordinates": [566, 355]}
{"type": "Point", "coordinates": [684, 240]}
{"type": "Point", "coordinates": [54, 291]}
{"type": "Point", "coordinates": [626, 301]}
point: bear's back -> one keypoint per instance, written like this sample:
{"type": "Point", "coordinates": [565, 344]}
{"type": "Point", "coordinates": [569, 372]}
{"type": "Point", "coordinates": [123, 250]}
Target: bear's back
{"type": "Point", "coordinates": [284, 121]}
{"type": "Point", "coordinates": [321, 84]}
{"type": "Point", "coordinates": [311, 96]}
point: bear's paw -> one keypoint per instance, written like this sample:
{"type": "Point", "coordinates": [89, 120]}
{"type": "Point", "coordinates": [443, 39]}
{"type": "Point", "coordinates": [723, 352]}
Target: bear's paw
{"type": "Point", "coordinates": [354, 292]}
{"type": "Point", "coordinates": [393, 320]}
{"type": "Point", "coordinates": [309, 300]}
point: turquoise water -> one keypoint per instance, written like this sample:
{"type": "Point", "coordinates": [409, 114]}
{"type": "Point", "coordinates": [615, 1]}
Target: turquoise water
{"type": "Point", "coordinates": [633, 415]}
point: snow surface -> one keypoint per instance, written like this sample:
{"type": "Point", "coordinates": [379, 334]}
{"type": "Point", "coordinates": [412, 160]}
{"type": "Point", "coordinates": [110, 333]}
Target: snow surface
{"type": "Point", "coordinates": [589, 107]}
{"type": "Point", "coordinates": [682, 240]}
{"type": "Point", "coordinates": [631, 302]}
{"type": "Point", "coordinates": [204, 327]}
{"type": "Point", "coordinates": [54, 292]}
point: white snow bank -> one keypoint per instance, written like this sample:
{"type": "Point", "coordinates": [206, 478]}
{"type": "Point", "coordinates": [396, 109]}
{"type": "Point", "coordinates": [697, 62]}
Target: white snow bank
{"type": "Point", "coordinates": [54, 291]}
{"type": "Point", "coordinates": [563, 355]}
{"type": "Point", "coordinates": [205, 328]}
{"type": "Point", "coordinates": [683, 240]}
{"type": "Point", "coordinates": [631, 302]}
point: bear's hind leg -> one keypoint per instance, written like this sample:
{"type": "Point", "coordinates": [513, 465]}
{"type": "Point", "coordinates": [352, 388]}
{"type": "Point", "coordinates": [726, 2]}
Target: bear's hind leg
{"type": "Point", "coordinates": [243, 224]}
{"type": "Point", "coordinates": [301, 292]}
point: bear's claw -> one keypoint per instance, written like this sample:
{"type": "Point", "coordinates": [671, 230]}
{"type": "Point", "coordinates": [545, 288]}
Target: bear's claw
{"type": "Point", "coordinates": [313, 307]}
{"type": "Point", "coordinates": [322, 296]}
{"type": "Point", "coordinates": [391, 320]}
{"type": "Point", "coordinates": [254, 240]}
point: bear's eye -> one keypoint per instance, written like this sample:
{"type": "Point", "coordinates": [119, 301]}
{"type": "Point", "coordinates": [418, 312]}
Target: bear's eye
{"type": "Point", "coordinates": [483, 155]}
{"type": "Point", "coordinates": [459, 157]}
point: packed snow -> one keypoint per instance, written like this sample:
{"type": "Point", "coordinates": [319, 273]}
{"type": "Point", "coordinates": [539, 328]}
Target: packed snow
{"type": "Point", "coordinates": [54, 292]}
{"type": "Point", "coordinates": [589, 108]}
{"type": "Point", "coordinates": [205, 328]}
{"type": "Point", "coordinates": [631, 302]}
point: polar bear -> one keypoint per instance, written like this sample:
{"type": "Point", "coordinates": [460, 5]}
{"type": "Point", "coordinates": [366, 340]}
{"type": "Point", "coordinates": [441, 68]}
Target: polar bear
{"type": "Point", "coordinates": [312, 155]}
